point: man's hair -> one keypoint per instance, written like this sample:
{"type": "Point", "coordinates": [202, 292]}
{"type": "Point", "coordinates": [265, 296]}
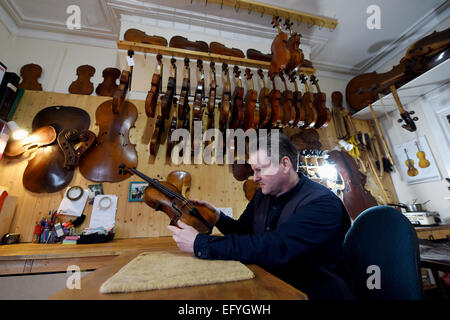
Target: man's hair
{"type": "Point", "coordinates": [285, 149]}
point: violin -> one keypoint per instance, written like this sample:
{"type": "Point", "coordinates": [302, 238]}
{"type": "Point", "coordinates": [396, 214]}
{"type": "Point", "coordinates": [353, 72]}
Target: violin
{"type": "Point", "coordinates": [212, 91]}
{"type": "Point", "coordinates": [218, 48]}
{"type": "Point", "coordinates": [170, 143]}
{"type": "Point", "coordinates": [307, 104]}
{"type": "Point", "coordinates": [199, 93]}
{"type": "Point", "coordinates": [212, 97]}
{"type": "Point", "coordinates": [286, 102]}
{"type": "Point", "coordinates": [251, 119]}
{"type": "Point", "coordinates": [300, 115]}
{"type": "Point", "coordinates": [265, 109]}
{"type": "Point", "coordinates": [258, 55]}
{"type": "Point", "coordinates": [412, 171]}
{"type": "Point", "coordinates": [242, 171]}
{"type": "Point", "coordinates": [115, 118]}
{"type": "Point", "coordinates": [108, 86]}
{"type": "Point", "coordinates": [136, 35]}
{"type": "Point", "coordinates": [408, 122]}
{"type": "Point", "coordinates": [30, 74]}
{"type": "Point", "coordinates": [155, 141]}
{"type": "Point", "coordinates": [226, 99]}
{"type": "Point", "coordinates": [153, 93]}
{"type": "Point", "coordinates": [183, 103]}
{"type": "Point", "coordinates": [356, 197]}
{"type": "Point", "coordinates": [293, 44]}
{"type": "Point", "coordinates": [423, 162]}
{"type": "Point", "coordinates": [167, 99]}
{"type": "Point", "coordinates": [250, 187]}
{"type": "Point", "coordinates": [277, 110]}
{"type": "Point", "coordinates": [197, 113]}
{"type": "Point", "coordinates": [237, 111]}
{"type": "Point", "coordinates": [83, 84]}
{"type": "Point", "coordinates": [323, 113]}
{"type": "Point", "coordinates": [184, 43]}
{"type": "Point", "coordinates": [280, 52]}
{"type": "Point", "coordinates": [164, 196]}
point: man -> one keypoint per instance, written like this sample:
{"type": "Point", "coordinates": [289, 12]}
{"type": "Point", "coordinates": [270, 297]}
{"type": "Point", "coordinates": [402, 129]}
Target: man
{"type": "Point", "coordinates": [293, 227]}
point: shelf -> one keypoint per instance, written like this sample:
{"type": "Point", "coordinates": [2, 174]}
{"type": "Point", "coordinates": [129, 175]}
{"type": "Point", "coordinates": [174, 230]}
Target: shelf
{"type": "Point", "coordinates": [423, 84]}
{"type": "Point", "coordinates": [175, 52]}
{"type": "Point", "coordinates": [301, 17]}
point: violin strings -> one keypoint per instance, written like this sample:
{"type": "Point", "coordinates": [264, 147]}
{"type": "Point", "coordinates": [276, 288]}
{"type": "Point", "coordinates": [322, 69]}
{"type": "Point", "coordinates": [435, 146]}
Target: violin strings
{"type": "Point", "coordinates": [157, 185]}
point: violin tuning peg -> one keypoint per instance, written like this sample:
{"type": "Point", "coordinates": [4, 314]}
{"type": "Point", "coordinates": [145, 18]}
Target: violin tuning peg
{"type": "Point", "coordinates": [411, 112]}
{"type": "Point", "coordinates": [399, 120]}
{"type": "Point", "coordinates": [415, 118]}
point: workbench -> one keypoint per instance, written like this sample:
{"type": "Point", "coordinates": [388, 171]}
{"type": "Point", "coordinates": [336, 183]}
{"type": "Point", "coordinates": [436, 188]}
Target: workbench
{"type": "Point", "coordinates": [107, 258]}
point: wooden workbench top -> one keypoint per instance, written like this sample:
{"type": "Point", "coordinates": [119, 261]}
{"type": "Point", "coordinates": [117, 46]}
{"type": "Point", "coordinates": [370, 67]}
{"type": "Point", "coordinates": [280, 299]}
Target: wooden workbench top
{"type": "Point", "coordinates": [25, 251]}
{"type": "Point", "coordinates": [264, 286]}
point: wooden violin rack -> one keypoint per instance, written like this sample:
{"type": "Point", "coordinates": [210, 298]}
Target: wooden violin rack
{"type": "Point", "coordinates": [205, 56]}
{"type": "Point", "coordinates": [301, 17]}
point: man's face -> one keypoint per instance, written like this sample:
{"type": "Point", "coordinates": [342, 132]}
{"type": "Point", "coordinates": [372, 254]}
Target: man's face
{"type": "Point", "coordinates": [270, 177]}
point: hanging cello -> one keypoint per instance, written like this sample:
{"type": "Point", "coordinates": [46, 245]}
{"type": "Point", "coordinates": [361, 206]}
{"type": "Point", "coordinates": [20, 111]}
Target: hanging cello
{"type": "Point", "coordinates": [115, 118]}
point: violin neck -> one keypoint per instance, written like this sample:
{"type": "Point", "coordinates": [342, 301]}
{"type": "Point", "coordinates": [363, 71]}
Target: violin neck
{"type": "Point", "coordinates": [154, 183]}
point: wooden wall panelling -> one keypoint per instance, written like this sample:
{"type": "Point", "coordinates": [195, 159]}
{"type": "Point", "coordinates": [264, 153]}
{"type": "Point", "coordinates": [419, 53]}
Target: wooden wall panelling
{"type": "Point", "coordinates": [213, 183]}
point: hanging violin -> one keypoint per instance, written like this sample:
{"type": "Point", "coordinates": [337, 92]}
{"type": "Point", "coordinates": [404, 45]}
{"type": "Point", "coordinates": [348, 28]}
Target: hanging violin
{"type": "Point", "coordinates": [212, 95]}
{"type": "Point", "coordinates": [323, 113]}
{"type": "Point", "coordinates": [183, 103]}
{"type": "Point", "coordinates": [237, 111]}
{"type": "Point", "coordinates": [286, 102]}
{"type": "Point", "coordinates": [300, 115]}
{"type": "Point", "coordinates": [280, 52]}
{"type": "Point", "coordinates": [167, 98]}
{"type": "Point", "coordinates": [225, 103]}
{"type": "Point", "coordinates": [307, 104]}
{"type": "Point", "coordinates": [277, 110]}
{"type": "Point", "coordinates": [265, 109]}
{"type": "Point", "coordinates": [293, 44]}
{"type": "Point", "coordinates": [163, 196]}
{"type": "Point", "coordinates": [152, 95]}
{"type": "Point", "coordinates": [251, 119]}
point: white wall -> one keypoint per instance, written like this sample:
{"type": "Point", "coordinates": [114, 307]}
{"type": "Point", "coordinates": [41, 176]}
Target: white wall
{"type": "Point", "coordinates": [438, 139]}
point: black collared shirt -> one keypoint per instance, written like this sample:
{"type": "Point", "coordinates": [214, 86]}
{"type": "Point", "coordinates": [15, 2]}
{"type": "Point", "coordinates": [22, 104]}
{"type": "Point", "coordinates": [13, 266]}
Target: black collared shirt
{"type": "Point", "coordinates": [305, 251]}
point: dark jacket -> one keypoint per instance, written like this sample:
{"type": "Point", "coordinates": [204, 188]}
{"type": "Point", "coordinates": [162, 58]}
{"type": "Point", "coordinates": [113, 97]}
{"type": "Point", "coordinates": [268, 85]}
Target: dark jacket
{"type": "Point", "coordinates": [297, 236]}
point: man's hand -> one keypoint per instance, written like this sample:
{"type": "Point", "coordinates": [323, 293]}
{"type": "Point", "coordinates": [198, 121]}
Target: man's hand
{"type": "Point", "coordinates": [184, 236]}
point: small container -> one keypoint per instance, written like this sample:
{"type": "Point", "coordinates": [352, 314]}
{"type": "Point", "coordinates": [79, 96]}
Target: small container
{"type": "Point", "coordinates": [37, 233]}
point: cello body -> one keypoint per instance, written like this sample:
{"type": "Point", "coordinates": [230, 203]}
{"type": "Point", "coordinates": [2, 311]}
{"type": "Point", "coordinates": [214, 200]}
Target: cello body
{"type": "Point", "coordinates": [356, 197]}
{"type": "Point", "coordinates": [115, 118]}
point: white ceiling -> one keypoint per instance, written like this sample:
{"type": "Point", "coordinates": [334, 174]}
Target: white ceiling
{"type": "Point", "coordinates": [350, 49]}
